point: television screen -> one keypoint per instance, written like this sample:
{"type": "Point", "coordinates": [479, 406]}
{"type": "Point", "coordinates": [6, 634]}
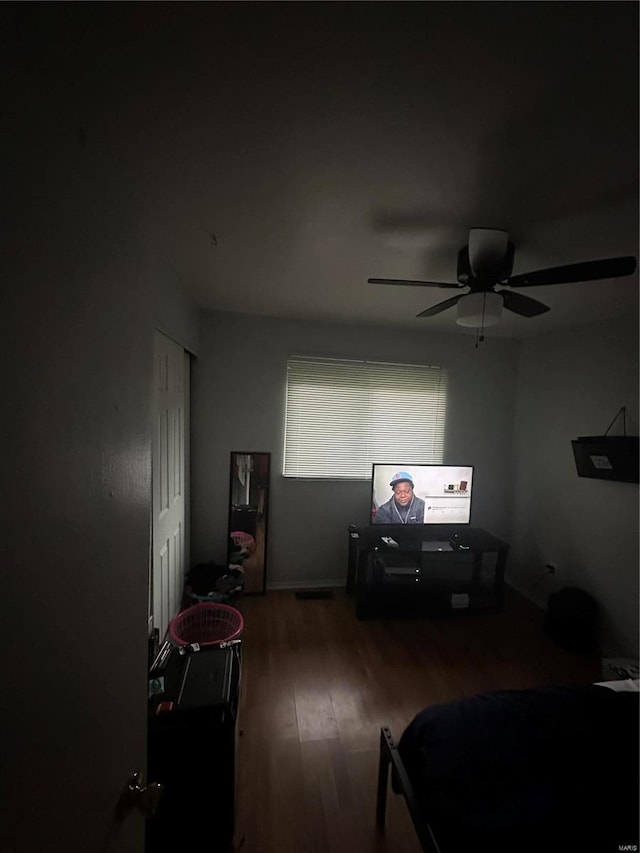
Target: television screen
{"type": "Point", "coordinates": [421, 494]}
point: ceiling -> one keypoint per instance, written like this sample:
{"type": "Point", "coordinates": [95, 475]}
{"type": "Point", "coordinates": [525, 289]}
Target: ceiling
{"type": "Point", "coordinates": [286, 152]}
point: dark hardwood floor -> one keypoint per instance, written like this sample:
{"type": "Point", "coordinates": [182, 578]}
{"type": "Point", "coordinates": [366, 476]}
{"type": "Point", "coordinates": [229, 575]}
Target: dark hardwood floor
{"type": "Point", "coordinates": [318, 684]}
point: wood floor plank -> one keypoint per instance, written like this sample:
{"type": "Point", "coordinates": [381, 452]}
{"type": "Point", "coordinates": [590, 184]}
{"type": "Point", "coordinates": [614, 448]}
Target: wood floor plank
{"type": "Point", "coordinates": [314, 711]}
{"type": "Point", "coordinates": [318, 684]}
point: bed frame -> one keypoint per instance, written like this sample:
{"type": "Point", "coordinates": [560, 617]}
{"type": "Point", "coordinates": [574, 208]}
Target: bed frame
{"type": "Point", "coordinates": [400, 783]}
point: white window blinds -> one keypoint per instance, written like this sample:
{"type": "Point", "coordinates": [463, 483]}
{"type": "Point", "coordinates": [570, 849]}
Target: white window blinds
{"type": "Point", "coordinates": [341, 416]}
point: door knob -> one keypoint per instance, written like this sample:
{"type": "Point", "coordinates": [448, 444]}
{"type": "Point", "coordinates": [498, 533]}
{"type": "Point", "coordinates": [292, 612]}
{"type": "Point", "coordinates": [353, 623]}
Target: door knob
{"type": "Point", "coordinates": [141, 796]}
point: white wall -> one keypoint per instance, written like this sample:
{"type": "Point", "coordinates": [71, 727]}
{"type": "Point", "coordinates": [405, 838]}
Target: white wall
{"type": "Point", "coordinates": [238, 396]}
{"type": "Point", "coordinates": [572, 384]}
{"type": "Point", "coordinates": [174, 314]}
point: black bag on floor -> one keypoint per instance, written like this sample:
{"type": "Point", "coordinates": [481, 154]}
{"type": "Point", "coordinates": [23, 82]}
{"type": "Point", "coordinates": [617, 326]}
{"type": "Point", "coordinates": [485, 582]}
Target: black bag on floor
{"type": "Point", "coordinates": [572, 619]}
{"type": "Point", "coordinates": [201, 579]}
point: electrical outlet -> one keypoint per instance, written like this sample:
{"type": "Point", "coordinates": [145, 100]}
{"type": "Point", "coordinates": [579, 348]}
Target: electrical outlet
{"type": "Point", "coordinates": [552, 568]}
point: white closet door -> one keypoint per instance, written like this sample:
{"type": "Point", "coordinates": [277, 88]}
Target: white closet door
{"type": "Point", "coordinates": [168, 482]}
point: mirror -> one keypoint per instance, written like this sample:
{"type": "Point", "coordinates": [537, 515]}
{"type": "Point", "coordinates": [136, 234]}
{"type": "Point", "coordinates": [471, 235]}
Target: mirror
{"type": "Point", "coordinates": [248, 510]}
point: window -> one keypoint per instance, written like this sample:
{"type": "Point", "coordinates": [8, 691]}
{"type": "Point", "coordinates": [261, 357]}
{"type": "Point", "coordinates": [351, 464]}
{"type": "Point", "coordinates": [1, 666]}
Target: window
{"type": "Point", "coordinates": [341, 416]}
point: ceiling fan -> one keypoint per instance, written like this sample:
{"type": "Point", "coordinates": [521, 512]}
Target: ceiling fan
{"type": "Point", "coordinates": [486, 262]}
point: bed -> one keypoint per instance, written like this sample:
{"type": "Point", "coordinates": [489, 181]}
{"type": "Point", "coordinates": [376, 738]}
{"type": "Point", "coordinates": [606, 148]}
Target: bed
{"type": "Point", "coordinates": [551, 768]}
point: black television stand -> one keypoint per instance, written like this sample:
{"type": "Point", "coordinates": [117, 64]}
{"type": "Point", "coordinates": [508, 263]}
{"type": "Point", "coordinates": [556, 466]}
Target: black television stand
{"type": "Point", "coordinates": [425, 569]}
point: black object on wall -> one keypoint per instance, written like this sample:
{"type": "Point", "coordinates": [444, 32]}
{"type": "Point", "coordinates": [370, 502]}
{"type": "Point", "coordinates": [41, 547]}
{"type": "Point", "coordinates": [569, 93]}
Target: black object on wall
{"type": "Point", "coordinates": [608, 457]}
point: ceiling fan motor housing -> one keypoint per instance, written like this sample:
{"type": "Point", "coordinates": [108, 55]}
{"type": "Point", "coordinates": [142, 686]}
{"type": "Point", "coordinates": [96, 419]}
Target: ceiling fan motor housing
{"type": "Point", "coordinates": [484, 280]}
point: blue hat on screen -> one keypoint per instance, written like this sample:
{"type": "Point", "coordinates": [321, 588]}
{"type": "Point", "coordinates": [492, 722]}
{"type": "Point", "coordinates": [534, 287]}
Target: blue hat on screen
{"type": "Point", "coordinates": [401, 477]}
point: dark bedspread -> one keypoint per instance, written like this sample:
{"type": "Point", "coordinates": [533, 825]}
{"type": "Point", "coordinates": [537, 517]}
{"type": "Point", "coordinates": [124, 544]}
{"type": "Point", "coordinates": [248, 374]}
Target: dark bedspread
{"type": "Point", "coordinates": [544, 769]}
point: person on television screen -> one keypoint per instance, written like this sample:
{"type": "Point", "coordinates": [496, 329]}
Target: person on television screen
{"type": "Point", "coordinates": [403, 507]}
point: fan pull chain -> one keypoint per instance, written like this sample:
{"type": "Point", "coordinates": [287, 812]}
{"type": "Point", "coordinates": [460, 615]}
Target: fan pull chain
{"type": "Point", "coordinates": [480, 334]}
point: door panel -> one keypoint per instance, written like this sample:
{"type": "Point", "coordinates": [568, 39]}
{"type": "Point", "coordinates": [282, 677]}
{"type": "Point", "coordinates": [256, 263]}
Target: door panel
{"type": "Point", "coordinates": [168, 481]}
{"type": "Point", "coordinates": [75, 567]}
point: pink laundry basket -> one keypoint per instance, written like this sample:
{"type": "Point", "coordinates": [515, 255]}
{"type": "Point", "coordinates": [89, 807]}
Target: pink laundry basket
{"type": "Point", "coordinates": [243, 540]}
{"type": "Point", "coordinates": [207, 624]}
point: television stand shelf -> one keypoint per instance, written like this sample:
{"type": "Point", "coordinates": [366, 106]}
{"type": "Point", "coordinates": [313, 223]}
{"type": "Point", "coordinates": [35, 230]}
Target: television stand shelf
{"type": "Point", "coordinates": [407, 578]}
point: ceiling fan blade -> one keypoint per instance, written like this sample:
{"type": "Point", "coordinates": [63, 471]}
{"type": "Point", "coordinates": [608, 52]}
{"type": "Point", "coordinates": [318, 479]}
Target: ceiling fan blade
{"type": "Point", "coordinates": [587, 271]}
{"type": "Point", "coordinates": [521, 304]}
{"type": "Point", "coordinates": [413, 283]}
{"type": "Point", "coordinates": [441, 306]}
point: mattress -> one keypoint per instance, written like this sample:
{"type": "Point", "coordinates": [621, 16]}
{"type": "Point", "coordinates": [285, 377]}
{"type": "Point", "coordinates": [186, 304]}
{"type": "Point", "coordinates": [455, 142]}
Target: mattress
{"type": "Point", "coordinates": [548, 768]}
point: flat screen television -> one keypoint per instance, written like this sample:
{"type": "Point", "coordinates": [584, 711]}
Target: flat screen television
{"type": "Point", "coordinates": [421, 494]}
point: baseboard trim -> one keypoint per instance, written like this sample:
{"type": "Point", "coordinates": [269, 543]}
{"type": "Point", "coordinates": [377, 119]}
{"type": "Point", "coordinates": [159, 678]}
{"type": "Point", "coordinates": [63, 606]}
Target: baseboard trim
{"type": "Point", "coordinates": [325, 583]}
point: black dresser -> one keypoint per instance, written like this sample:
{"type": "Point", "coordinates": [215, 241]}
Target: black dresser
{"type": "Point", "coordinates": [191, 750]}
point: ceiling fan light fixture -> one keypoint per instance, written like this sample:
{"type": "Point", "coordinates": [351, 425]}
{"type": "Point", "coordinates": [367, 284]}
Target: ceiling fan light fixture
{"type": "Point", "coordinates": [478, 310]}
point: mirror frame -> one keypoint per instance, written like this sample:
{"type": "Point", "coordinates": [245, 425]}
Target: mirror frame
{"type": "Point", "coordinates": [258, 527]}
